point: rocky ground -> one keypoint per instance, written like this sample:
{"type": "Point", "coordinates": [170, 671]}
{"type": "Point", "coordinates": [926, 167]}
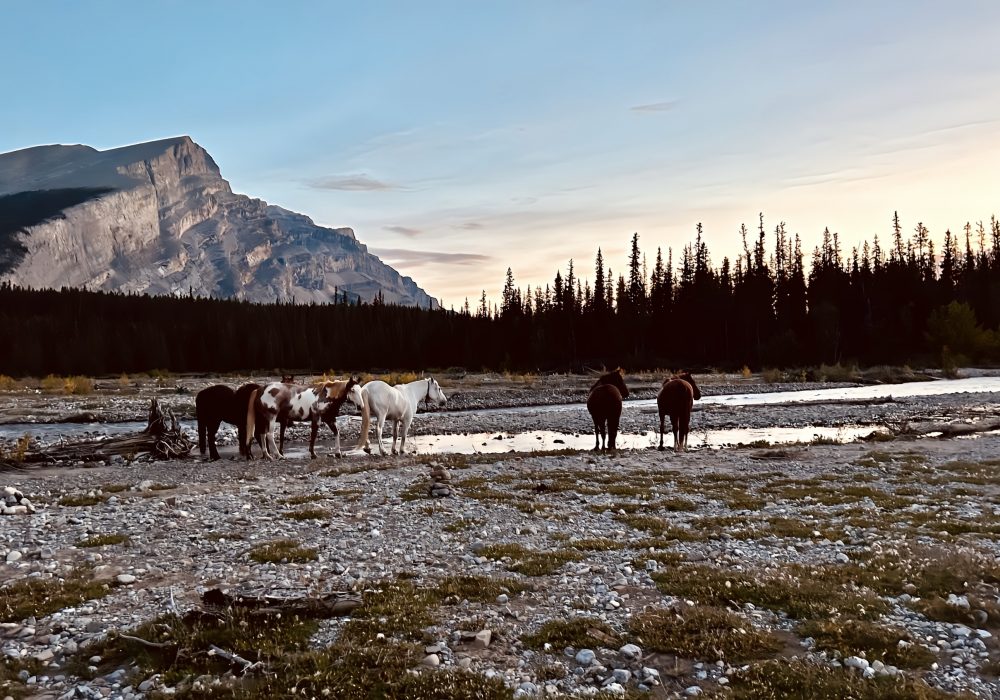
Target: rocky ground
{"type": "Point", "coordinates": [854, 570]}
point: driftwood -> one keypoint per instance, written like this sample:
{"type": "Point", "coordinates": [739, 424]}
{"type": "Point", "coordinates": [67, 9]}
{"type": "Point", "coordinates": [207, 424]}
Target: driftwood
{"type": "Point", "coordinates": [162, 438]}
{"type": "Point", "coordinates": [334, 604]}
{"type": "Point", "coordinates": [950, 429]}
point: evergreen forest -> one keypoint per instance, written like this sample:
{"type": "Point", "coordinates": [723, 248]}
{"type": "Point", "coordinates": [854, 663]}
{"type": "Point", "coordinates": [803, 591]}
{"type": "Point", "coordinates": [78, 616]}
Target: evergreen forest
{"type": "Point", "coordinates": [901, 301]}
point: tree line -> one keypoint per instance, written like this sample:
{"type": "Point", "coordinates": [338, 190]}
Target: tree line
{"type": "Point", "coordinates": [898, 302]}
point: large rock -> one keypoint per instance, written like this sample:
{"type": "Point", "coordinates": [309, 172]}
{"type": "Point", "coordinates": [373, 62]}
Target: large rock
{"type": "Point", "coordinates": [164, 221]}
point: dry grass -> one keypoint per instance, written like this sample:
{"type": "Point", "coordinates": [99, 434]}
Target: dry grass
{"type": "Point", "coordinates": [282, 551]}
{"type": "Point", "coordinates": [103, 541]}
{"type": "Point", "coordinates": [577, 632]}
{"type": "Point", "coordinates": [800, 594]}
{"type": "Point", "coordinates": [800, 680]}
{"type": "Point", "coordinates": [705, 633]}
{"type": "Point", "coordinates": [858, 637]}
{"type": "Point", "coordinates": [39, 597]}
{"type": "Point", "coordinates": [530, 562]}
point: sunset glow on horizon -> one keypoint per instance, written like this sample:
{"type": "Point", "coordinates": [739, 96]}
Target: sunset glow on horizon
{"type": "Point", "coordinates": [458, 139]}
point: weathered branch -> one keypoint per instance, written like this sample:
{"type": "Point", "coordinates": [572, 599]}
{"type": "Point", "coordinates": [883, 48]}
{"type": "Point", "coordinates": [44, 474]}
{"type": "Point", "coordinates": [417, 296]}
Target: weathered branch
{"type": "Point", "coordinates": [157, 439]}
{"type": "Point", "coordinates": [950, 429]}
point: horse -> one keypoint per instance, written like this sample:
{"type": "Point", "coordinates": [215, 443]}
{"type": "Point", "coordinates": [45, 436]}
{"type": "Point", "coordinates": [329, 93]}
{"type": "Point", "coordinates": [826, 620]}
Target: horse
{"type": "Point", "coordinates": [605, 405]}
{"type": "Point", "coordinates": [676, 398]}
{"type": "Point", "coordinates": [217, 404]}
{"type": "Point", "coordinates": [397, 403]}
{"type": "Point", "coordinates": [285, 404]}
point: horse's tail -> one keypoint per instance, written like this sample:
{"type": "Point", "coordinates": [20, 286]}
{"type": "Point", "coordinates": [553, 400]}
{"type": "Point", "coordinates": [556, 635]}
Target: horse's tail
{"type": "Point", "coordinates": [366, 419]}
{"type": "Point", "coordinates": [251, 419]}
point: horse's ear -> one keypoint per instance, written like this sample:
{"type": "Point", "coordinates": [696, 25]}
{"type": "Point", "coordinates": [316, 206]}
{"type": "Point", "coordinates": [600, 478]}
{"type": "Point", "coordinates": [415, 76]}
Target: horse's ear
{"type": "Point", "coordinates": [620, 371]}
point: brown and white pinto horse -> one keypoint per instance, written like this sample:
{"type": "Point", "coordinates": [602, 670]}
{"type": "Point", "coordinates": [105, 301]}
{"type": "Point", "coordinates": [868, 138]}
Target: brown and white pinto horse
{"type": "Point", "coordinates": [676, 399]}
{"type": "Point", "coordinates": [286, 404]}
{"type": "Point", "coordinates": [605, 406]}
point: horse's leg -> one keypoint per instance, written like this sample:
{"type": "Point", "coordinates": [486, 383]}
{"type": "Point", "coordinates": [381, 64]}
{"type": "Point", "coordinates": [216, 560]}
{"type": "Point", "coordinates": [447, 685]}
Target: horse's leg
{"type": "Point", "coordinates": [662, 416]}
{"type": "Point", "coordinates": [395, 434]}
{"type": "Point", "coordinates": [202, 436]}
{"type": "Point", "coordinates": [281, 438]}
{"type": "Point", "coordinates": [312, 438]}
{"type": "Point", "coordinates": [674, 428]}
{"type": "Point", "coordinates": [685, 428]}
{"type": "Point", "coordinates": [604, 434]}
{"type": "Point", "coordinates": [267, 440]}
{"type": "Point", "coordinates": [241, 436]}
{"type": "Point", "coordinates": [381, 425]}
{"type": "Point", "coordinates": [213, 451]}
{"type": "Point", "coordinates": [402, 438]}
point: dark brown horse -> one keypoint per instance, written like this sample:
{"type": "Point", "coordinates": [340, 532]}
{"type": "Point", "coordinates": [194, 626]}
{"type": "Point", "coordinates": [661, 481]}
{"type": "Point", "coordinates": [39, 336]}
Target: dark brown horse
{"type": "Point", "coordinates": [605, 406]}
{"type": "Point", "coordinates": [219, 404]}
{"type": "Point", "coordinates": [676, 399]}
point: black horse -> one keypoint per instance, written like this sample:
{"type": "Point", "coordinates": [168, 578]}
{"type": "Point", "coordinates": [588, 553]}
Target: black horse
{"type": "Point", "coordinates": [217, 404]}
{"type": "Point", "coordinates": [605, 406]}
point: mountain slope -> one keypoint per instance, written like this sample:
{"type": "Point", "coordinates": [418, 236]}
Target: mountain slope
{"type": "Point", "coordinates": [159, 218]}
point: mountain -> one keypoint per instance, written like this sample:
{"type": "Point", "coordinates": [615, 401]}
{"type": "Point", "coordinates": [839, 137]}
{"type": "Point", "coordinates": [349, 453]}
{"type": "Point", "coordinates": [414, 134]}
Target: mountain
{"type": "Point", "coordinates": [158, 218]}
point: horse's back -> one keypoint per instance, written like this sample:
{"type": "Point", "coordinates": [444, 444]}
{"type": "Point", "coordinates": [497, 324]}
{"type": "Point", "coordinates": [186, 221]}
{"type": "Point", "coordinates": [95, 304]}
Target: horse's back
{"type": "Point", "coordinates": [383, 397]}
{"type": "Point", "coordinates": [214, 399]}
{"type": "Point", "coordinates": [604, 400]}
{"type": "Point", "coordinates": [674, 395]}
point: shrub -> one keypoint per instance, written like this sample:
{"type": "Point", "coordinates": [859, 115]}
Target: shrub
{"type": "Point", "coordinates": [771, 375]}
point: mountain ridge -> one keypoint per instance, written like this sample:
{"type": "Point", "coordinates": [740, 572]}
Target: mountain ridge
{"type": "Point", "coordinates": [169, 223]}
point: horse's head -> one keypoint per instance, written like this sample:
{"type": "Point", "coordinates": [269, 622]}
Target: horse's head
{"type": "Point", "coordinates": [615, 379]}
{"type": "Point", "coordinates": [288, 379]}
{"type": "Point", "coordinates": [355, 397]}
{"type": "Point", "coordinates": [434, 392]}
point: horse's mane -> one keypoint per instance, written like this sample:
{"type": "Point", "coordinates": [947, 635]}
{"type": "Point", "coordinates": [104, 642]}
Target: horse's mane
{"type": "Point", "coordinates": [604, 378]}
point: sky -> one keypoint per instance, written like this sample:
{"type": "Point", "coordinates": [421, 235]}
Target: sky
{"type": "Point", "coordinates": [462, 138]}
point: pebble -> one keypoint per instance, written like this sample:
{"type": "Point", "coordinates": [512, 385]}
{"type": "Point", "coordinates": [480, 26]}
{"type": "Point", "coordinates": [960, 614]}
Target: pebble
{"type": "Point", "coordinates": [585, 657]}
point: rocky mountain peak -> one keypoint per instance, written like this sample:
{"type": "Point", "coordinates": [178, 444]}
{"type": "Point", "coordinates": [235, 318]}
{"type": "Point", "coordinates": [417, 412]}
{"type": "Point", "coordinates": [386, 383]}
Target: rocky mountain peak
{"type": "Point", "coordinates": [159, 218]}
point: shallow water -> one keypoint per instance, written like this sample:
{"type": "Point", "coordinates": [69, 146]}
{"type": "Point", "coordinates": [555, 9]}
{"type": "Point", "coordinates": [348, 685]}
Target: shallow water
{"type": "Point", "coordinates": [541, 440]}
{"type": "Point", "coordinates": [544, 440]}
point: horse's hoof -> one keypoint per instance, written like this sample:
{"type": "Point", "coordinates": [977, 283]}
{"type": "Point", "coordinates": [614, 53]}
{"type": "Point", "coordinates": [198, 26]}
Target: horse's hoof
{"type": "Point", "coordinates": [661, 448]}
{"type": "Point", "coordinates": [367, 450]}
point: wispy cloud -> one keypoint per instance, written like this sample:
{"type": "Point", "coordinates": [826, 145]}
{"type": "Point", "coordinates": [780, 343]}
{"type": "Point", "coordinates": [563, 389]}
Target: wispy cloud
{"type": "Point", "coordinates": [656, 106]}
{"type": "Point", "coordinates": [355, 182]}
{"type": "Point", "coordinates": [404, 231]}
{"type": "Point", "coordinates": [471, 226]}
{"type": "Point", "coordinates": [415, 258]}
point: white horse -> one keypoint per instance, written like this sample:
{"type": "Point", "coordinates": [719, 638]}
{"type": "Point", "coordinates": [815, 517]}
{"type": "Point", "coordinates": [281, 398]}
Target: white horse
{"type": "Point", "coordinates": [398, 404]}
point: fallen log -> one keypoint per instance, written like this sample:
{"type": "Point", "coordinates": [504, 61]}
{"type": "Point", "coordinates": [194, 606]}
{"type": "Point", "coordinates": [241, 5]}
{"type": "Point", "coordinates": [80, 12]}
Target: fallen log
{"type": "Point", "coordinates": [336, 604]}
{"type": "Point", "coordinates": [162, 438]}
{"type": "Point", "coordinates": [950, 429]}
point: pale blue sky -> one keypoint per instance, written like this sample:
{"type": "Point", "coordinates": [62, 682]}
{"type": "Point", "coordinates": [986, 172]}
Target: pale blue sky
{"type": "Point", "coordinates": [460, 138]}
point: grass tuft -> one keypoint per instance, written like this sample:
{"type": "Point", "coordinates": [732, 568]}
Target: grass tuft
{"type": "Point", "coordinates": [707, 633]}
{"type": "Point", "coordinates": [282, 551]}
